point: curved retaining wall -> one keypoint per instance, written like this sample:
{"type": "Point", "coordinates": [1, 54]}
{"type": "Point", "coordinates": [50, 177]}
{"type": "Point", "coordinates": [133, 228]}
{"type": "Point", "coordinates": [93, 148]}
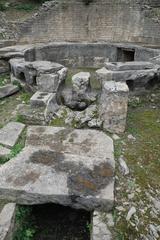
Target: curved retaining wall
{"type": "Point", "coordinates": [89, 54]}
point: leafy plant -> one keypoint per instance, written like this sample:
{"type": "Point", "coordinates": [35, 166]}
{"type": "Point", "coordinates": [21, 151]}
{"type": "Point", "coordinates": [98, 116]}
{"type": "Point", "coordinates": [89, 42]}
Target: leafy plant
{"type": "Point", "coordinates": [24, 222]}
{"type": "Point", "coordinates": [89, 227]}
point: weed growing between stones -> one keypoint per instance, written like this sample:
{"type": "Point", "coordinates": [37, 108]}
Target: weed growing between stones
{"type": "Point", "coordinates": [24, 224]}
{"type": "Point", "coordinates": [4, 79]}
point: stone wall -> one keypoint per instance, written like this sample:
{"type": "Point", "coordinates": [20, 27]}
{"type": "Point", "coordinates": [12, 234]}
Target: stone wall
{"type": "Point", "coordinates": [88, 54]}
{"type": "Point", "coordinates": [135, 21]}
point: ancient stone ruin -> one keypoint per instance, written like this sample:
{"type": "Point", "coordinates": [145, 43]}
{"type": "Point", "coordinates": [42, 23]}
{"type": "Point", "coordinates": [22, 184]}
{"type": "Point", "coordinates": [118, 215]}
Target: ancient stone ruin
{"type": "Point", "coordinates": [79, 97]}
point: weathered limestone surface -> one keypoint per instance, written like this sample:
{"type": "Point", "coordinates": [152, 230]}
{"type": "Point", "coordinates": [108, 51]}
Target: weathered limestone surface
{"type": "Point", "coordinates": [14, 51]}
{"type": "Point", "coordinates": [29, 71]}
{"type": "Point", "coordinates": [70, 167]}
{"type": "Point", "coordinates": [81, 83]}
{"type": "Point", "coordinates": [80, 96]}
{"type": "Point", "coordinates": [8, 90]}
{"type": "Point", "coordinates": [113, 105]}
{"type": "Point", "coordinates": [100, 20]}
{"type": "Point", "coordinates": [40, 99]}
{"type": "Point", "coordinates": [51, 82]}
{"type": "Point", "coordinates": [100, 230]}
{"type": "Point", "coordinates": [10, 133]}
{"type": "Point", "coordinates": [31, 115]}
{"type": "Point", "coordinates": [140, 78]}
{"type": "Point", "coordinates": [7, 218]}
{"type": "Point", "coordinates": [124, 66]}
{"type": "Point", "coordinates": [4, 151]}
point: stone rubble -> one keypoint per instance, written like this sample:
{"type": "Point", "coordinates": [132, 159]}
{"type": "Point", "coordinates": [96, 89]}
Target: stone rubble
{"type": "Point", "coordinates": [123, 166]}
{"type": "Point", "coordinates": [80, 96]}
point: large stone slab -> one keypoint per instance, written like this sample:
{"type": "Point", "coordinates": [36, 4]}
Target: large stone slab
{"type": "Point", "coordinates": [7, 221]}
{"type": "Point", "coordinates": [124, 66]}
{"type": "Point", "coordinates": [70, 167]}
{"type": "Point", "coordinates": [8, 90]}
{"type": "Point", "coordinates": [10, 133]}
{"type": "Point", "coordinates": [136, 79]}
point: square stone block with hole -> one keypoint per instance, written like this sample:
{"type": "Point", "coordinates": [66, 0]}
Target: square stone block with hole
{"type": "Point", "coordinates": [40, 99]}
{"type": "Point", "coordinates": [65, 166]}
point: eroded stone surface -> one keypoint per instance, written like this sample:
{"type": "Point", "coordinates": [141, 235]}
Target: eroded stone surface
{"type": "Point", "coordinates": [138, 78]}
{"type": "Point", "coordinates": [8, 90]}
{"type": "Point", "coordinates": [40, 99]}
{"type": "Point", "coordinates": [113, 105]}
{"type": "Point", "coordinates": [28, 71]}
{"type": "Point", "coordinates": [7, 218]}
{"type": "Point", "coordinates": [100, 229]}
{"type": "Point", "coordinates": [80, 96]}
{"type": "Point", "coordinates": [124, 66]}
{"type": "Point", "coordinates": [10, 133]}
{"type": "Point", "coordinates": [31, 115]}
{"type": "Point", "coordinates": [4, 151]}
{"type": "Point", "coordinates": [65, 166]}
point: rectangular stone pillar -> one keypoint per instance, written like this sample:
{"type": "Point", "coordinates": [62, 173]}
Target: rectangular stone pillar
{"type": "Point", "coordinates": [113, 105]}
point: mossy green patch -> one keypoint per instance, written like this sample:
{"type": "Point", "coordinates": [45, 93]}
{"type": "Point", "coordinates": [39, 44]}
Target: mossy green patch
{"type": "Point", "coordinates": [25, 228]}
{"type": "Point", "coordinates": [59, 121]}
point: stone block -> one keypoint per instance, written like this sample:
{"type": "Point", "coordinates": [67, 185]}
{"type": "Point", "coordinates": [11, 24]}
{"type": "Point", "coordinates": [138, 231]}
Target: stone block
{"type": "Point", "coordinates": [31, 115]}
{"type": "Point", "coordinates": [40, 99]}
{"type": "Point", "coordinates": [48, 82]}
{"type": "Point", "coordinates": [65, 166]}
{"type": "Point", "coordinates": [8, 90]}
{"type": "Point", "coordinates": [7, 221]}
{"type": "Point", "coordinates": [81, 82]}
{"type": "Point", "coordinates": [10, 133]}
{"type": "Point", "coordinates": [103, 75]}
{"type": "Point", "coordinates": [113, 105]}
{"type": "Point", "coordinates": [140, 78]}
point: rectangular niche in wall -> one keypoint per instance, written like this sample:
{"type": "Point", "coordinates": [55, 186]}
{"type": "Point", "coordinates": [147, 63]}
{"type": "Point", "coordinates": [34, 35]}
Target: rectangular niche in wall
{"type": "Point", "coordinates": [125, 54]}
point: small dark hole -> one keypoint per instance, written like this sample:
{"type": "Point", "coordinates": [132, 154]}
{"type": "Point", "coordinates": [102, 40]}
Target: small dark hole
{"type": "Point", "coordinates": [130, 84]}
